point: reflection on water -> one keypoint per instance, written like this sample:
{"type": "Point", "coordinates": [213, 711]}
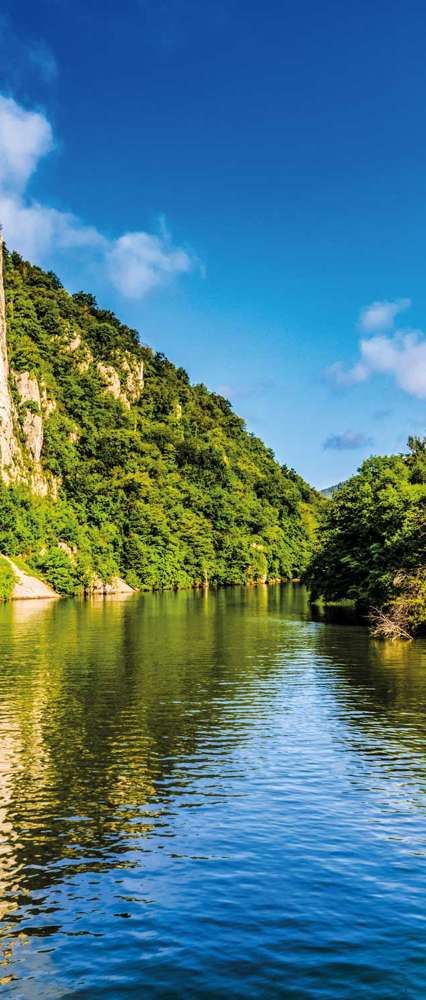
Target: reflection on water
{"type": "Point", "coordinates": [209, 794]}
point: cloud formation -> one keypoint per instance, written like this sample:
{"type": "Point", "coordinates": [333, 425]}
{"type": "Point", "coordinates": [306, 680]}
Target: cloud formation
{"type": "Point", "coordinates": [347, 441]}
{"type": "Point", "coordinates": [381, 315]}
{"type": "Point", "coordinates": [135, 262]}
{"type": "Point", "coordinates": [138, 262]}
{"type": "Point", "coordinates": [25, 136]}
{"type": "Point", "coordinates": [400, 354]}
{"type": "Point", "coordinates": [337, 374]}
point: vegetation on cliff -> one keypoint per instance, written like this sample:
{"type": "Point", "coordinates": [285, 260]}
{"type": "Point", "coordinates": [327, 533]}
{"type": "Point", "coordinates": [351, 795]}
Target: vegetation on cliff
{"type": "Point", "coordinates": [157, 481]}
{"type": "Point", "coordinates": [372, 542]}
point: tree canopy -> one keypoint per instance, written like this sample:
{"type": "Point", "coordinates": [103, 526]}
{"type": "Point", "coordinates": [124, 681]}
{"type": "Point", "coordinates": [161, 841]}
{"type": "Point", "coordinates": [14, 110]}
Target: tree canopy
{"type": "Point", "coordinates": [372, 539]}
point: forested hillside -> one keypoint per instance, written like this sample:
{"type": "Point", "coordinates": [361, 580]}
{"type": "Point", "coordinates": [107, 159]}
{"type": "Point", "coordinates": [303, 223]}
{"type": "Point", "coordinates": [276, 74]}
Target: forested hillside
{"type": "Point", "coordinates": [125, 468]}
{"type": "Point", "coordinates": [372, 542]}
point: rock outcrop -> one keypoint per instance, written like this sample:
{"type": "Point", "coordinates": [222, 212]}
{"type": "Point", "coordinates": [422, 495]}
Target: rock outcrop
{"type": "Point", "coordinates": [28, 587]}
{"type": "Point", "coordinates": [134, 380]}
{"type": "Point", "coordinates": [116, 585]}
{"type": "Point", "coordinates": [29, 393]}
{"type": "Point", "coordinates": [33, 406]}
{"type": "Point", "coordinates": [110, 376]}
{"type": "Point", "coordinates": [129, 392]}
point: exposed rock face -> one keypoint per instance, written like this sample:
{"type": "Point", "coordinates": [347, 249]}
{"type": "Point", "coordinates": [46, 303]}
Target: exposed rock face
{"type": "Point", "coordinates": [134, 381]}
{"type": "Point", "coordinates": [21, 461]}
{"type": "Point", "coordinates": [111, 378]}
{"type": "Point", "coordinates": [115, 586]}
{"type": "Point", "coordinates": [9, 447]}
{"type": "Point", "coordinates": [29, 392]}
{"type": "Point", "coordinates": [132, 389]}
{"type": "Point", "coordinates": [28, 587]}
{"type": "Point", "coordinates": [33, 402]}
{"type": "Point", "coordinates": [127, 389]}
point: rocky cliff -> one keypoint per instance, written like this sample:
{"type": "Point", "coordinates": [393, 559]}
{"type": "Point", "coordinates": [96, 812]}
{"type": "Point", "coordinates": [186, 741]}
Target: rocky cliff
{"type": "Point", "coordinates": [21, 425]}
{"type": "Point", "coordinates": [10, 457]}
{"type": "Point", "coordinates": [25, 404]}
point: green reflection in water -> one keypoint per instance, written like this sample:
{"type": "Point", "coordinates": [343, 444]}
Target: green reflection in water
{"type": "Point", "coordinates": [115, 711]}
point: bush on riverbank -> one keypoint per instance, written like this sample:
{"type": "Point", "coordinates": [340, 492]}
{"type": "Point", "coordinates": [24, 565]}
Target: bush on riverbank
{"type": "Point", "coordinates": [7, 580]}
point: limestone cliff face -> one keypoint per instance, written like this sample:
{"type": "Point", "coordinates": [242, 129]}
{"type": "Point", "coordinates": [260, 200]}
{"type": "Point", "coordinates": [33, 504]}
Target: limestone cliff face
{"type": "Point", "coordinates": [10, 458]}
{"type": "Point", "coordinates": [127, 387]}
{"type": "Point", "coordinates": [25, 405]}
{"type": "Point", "coordinates": [29, 392]}
{"type": "Point", "coordinates": [129, 392]}
{"type": "Point", "coordinates": [135, 379]}
{"type": "Point", "coordinates": [20, 462]}
{"type": "Point", "coordinates": [33, 405]}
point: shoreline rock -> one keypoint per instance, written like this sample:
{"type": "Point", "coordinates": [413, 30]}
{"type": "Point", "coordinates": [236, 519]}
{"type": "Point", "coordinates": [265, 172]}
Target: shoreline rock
{"type": "Point", "coordinates": [99, 588]}
{"type": "Point", "coordinates": [27, 587]}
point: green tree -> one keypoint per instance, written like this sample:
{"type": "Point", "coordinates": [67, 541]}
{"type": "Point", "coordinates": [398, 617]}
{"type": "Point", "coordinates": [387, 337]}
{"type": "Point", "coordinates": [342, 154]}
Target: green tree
{"type": "Point", "coordinates": [372, 539]}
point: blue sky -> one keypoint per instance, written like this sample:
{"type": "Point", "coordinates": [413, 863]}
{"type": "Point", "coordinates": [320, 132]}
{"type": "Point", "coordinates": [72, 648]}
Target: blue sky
{"type": "Point", "coordinates": [242, 182]}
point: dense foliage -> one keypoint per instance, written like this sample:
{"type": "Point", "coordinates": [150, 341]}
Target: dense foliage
{"type": "Point", "coordinates": [372, 540]}
{"type": "Point", "coordinates": [169, 490]}
{"type": "Point", "coordinates": [7, 579]}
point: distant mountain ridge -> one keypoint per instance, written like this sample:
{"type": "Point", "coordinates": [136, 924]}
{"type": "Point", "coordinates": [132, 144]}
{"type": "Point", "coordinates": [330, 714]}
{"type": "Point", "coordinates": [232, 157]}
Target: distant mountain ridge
{"type": "Point", "coordinates": [328, 492]}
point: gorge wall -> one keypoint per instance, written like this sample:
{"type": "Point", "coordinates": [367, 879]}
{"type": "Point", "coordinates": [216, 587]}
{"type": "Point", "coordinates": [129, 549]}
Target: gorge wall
{"type": "Point", "coordinates": [25, 405]}
{"type": "Point", "coordinates": [10, 456]}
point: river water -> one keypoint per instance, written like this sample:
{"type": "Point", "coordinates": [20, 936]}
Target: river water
{"type": "Point", "coordinates": [209, 795]}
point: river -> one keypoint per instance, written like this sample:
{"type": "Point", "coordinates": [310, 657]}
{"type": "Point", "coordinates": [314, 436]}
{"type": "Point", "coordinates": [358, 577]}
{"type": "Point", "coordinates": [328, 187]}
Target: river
{"type": "Point", "coordinates": [209, 794]}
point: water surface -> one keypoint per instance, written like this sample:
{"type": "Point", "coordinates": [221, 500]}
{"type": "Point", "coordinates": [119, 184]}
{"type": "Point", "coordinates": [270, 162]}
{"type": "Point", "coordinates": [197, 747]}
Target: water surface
{"type": "Point", "coordinates": [209, 795]}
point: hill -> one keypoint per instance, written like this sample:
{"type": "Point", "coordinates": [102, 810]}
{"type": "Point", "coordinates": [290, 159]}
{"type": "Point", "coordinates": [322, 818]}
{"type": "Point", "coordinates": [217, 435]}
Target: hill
{"type": "Point", "coordinates": [114, 465]}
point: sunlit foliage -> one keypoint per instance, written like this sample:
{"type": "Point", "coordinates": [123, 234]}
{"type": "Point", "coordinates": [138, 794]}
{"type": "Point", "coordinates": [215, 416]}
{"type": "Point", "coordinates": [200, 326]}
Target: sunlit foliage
{"type": "Point", "coordinates": [372, 540]}
{"type": "Point", "coordinates": [171, 491]}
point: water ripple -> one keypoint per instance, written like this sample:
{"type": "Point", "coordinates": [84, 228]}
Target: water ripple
{"type": "Point", "coordinates": [209, 795]}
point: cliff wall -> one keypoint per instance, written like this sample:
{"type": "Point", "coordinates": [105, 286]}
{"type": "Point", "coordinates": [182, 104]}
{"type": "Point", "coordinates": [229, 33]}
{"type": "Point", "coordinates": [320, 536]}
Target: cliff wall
{"type": "Point", "coordinates": [10, 457]}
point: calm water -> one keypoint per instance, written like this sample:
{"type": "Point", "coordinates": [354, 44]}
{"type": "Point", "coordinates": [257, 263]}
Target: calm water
{"type": "Point", "coordinates": [209, 795]}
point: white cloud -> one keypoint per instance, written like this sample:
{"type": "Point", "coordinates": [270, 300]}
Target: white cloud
{"type": "Point", "coordinates": [400, 354]}
{"type": "Point", "coordinates": [403, 356]}
{"type": "Point", "coordinates": [25, 136]}
{"type": "Point", "coordinates": [380, 316]}
{"type": "Point", "coordinates": [342, 376]}
{"type": "Point", "coordinates": [347, 441]}
{"type": "Point", "coordinates": [135, 263]}
{"type": "Point", "coordinates": [35, 230]}
{"type": "Point", "coordinates": [138, 262]}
